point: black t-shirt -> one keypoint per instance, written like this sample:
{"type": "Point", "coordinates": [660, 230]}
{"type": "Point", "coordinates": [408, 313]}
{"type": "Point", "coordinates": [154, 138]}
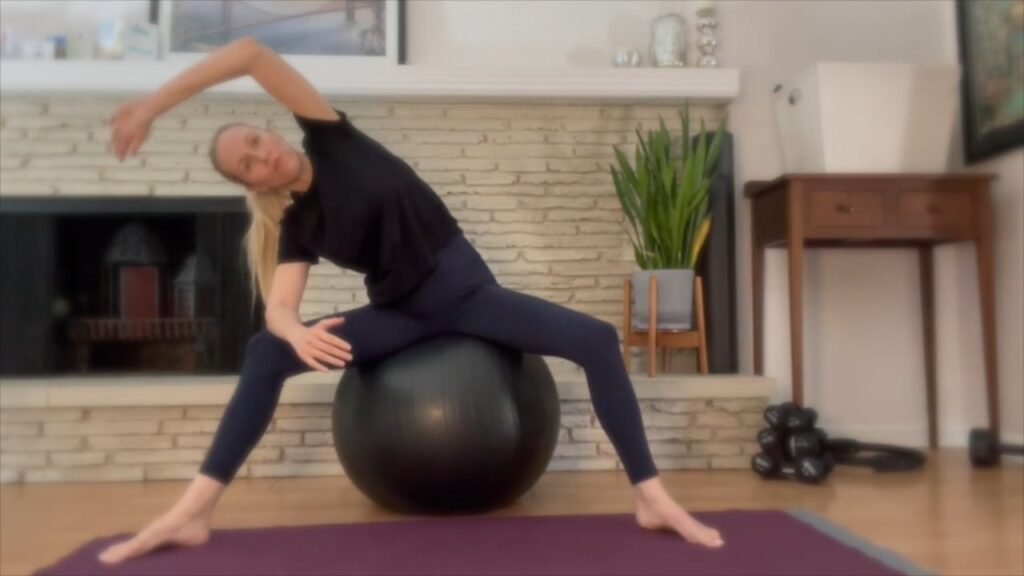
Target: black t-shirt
{"type": "Point", "coordinates": [366, 210]}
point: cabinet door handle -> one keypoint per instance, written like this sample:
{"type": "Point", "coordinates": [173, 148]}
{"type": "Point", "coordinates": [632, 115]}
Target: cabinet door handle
{"type": "Point", "coordinates": [844, 207]}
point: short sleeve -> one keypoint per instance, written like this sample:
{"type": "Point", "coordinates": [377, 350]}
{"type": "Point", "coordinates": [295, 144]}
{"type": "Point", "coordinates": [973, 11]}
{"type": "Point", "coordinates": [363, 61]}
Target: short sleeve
{"type": "Point", "coordinates": [318, 133]}
{"type": "Point", "coordinates": [290, 249]}
{"type": "Point", "coordinates": [305, 122]}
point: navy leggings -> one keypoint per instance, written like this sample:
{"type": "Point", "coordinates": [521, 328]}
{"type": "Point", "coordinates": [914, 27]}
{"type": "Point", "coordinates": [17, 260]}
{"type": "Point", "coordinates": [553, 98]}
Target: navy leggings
{"type": "Point", "coordinates": [460, 295]}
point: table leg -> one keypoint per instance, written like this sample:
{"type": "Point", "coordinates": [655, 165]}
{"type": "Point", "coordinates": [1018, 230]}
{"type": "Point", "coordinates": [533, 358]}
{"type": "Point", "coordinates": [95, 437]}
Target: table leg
{"type": "Point", "coordinates": [986, 291]}
{"type": "Point", "coordinates": [795, 241]}
{"type": "Point", "coordinates": [757, 280]}
{"type": "Point", "coordinates": [924, 253]}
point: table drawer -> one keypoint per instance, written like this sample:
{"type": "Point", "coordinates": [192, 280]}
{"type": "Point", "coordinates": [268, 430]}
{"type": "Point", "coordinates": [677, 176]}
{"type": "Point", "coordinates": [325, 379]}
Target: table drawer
{"type": "Point", "coordinates": [935, 209]}
{"type": "Point", "coordinates": [846, 208]}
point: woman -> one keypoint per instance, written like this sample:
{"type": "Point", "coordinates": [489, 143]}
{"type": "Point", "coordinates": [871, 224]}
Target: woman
{"type": "Point", "coordinates": [352, 201]}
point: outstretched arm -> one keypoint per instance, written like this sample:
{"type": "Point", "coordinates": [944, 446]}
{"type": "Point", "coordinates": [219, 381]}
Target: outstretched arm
{"type": "Point", "coordinates": [230, 61]}
{"type": "Point", "coordinates": [287, 86]}
{"type": "Point", "coordinates": [131, 121]}
{"type": "Point", "coordinates": [245, 56]}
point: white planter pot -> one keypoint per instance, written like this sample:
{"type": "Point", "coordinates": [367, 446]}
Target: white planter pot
{"type": "Point", "coordinates": [675, 298]}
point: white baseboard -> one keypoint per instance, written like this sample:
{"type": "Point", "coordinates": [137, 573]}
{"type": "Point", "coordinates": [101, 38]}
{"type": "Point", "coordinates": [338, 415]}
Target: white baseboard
{"type": "Point", "coordinates": [949, 437]}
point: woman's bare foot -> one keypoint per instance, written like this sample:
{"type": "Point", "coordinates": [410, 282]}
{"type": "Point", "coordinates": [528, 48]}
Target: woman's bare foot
{"type": "Point", "coordinates": [661, 513]}
{"type": "Point", "coordinates": [172, 528]}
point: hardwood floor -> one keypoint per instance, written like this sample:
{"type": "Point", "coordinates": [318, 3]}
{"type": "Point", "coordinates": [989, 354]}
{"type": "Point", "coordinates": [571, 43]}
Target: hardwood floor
{"type": "Point", "coordinates": [948, 517]}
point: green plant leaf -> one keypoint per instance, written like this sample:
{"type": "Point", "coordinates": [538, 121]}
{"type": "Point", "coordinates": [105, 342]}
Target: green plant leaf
{"type": "Point", "coordinates": [665, 197]}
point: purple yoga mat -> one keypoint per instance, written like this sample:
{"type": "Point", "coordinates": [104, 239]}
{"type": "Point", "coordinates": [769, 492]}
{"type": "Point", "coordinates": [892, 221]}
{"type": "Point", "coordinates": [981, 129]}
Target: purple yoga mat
{"type": "Point", "coordinates": [757, 542]}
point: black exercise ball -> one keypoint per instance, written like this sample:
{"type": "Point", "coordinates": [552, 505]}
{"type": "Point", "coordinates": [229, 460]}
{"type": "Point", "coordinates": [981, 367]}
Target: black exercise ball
{"type": "Point", "coordinates": [451, 424]}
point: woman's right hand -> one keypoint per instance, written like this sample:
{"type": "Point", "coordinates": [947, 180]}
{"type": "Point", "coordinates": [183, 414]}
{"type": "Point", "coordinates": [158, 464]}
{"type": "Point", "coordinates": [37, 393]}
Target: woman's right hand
{"type": "Point", "coordinates": [130, 125]}
{"type": "Point", "coordinates": [313, 343]}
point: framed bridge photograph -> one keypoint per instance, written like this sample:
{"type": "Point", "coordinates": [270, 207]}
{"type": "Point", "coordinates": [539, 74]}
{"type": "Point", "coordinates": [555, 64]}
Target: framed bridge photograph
{"type": "Point", "coordinates": [366, 33]}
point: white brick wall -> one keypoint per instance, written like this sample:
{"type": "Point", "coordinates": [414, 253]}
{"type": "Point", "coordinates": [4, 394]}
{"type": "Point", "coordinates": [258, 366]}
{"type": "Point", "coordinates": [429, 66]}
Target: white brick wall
{"type": "Point", "coordinates": [137, 444]}
{"type": "Point", "coordinates": [529, 183]}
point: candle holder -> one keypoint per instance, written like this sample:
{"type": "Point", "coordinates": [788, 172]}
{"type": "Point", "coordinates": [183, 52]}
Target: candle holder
{"type": "Point", "coordinates": [707, 42]}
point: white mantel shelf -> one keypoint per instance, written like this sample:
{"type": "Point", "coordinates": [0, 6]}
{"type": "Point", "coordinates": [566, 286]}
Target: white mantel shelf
{"type": "Point", "coordinates": [643, 85]}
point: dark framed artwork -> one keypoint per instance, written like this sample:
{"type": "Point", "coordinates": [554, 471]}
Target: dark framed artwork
{"type": "Point", "coordinates": [361, 32]}
{"type": "Point", "coordinates": [991, 38]}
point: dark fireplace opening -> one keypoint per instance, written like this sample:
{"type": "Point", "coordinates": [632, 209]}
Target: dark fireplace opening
{"type": "Point", "coordinates": [124, 285]}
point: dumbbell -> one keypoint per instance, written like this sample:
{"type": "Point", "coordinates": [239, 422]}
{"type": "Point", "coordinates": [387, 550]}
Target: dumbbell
{"type": "Point", "coordinates": [790, 416]}
{"type": "Point", "coordinates": [813, 443]}
{"type": "Point", "coordinates": [801, 419]}
{"type": "Point", "coordinates": [805, 443]}
{"type": "Point", "coordinates": [795, 445]}
{"type": "Point", "coordinates": [985, 451]}
{"type": "Point", "coordinates": [781, 457]}
{"type": "Point", "coordinates": [777, 415]}
{"type": "Point", "coordinates": [808, 469]}
{"type": "Point", "coordinates": [770, 441]}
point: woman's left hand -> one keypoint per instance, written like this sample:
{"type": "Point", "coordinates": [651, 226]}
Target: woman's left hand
{"type": "Point", "coordinates": [130, 128]}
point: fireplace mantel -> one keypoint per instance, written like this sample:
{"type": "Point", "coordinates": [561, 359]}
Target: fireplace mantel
{"type": "Point", "coordinates": [643, 85]}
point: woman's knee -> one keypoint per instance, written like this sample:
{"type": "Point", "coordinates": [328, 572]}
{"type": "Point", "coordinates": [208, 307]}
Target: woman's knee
{"type": "Point", "coordinates": [594, 337]}
{"type": "Point", "coordinates": [603, 334]}
{"type": "Point", "coordinates": [266, 346]}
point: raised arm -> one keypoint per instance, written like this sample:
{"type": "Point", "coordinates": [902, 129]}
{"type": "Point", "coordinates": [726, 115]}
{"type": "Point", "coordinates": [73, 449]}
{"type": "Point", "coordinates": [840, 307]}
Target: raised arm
{"type": "Point", "coordinates": [287, 86]}
{"type": "Point", "coordinates": [245, 56]}
{"type": "Point", "coordinates": [228, 62]}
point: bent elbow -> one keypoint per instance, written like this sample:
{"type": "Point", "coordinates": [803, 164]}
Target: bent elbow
{"type": "Point", "coordinates": [252, 46]}
{"type": "Point", "coordinates": [249, 41]}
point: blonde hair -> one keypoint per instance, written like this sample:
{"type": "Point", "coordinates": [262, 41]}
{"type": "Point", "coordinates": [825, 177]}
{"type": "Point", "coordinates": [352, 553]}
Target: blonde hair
{"type": "Point", "coordinates": [260, 241]}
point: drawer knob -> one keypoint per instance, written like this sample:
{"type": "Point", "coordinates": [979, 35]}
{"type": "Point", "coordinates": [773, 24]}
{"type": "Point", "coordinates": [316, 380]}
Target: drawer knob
{"type": "Point", "coordinates": [844, 207]}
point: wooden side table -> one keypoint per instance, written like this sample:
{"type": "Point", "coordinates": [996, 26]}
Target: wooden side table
{"type": "Point", "coordinates": [900, 210]}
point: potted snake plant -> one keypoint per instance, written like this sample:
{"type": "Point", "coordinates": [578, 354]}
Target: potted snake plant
{"type": "Point", "coordinates": [665, 199]}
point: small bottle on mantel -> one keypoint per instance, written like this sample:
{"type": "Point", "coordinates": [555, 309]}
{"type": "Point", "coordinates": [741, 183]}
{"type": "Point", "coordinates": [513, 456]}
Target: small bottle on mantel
{"type": "Point", "coordinates": [60, 47]}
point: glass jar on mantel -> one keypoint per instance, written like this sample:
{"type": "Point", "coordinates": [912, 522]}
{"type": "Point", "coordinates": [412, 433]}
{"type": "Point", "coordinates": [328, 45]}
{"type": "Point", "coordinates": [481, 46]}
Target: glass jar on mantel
{"type": "Point", "coordinates": [668, 41]}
